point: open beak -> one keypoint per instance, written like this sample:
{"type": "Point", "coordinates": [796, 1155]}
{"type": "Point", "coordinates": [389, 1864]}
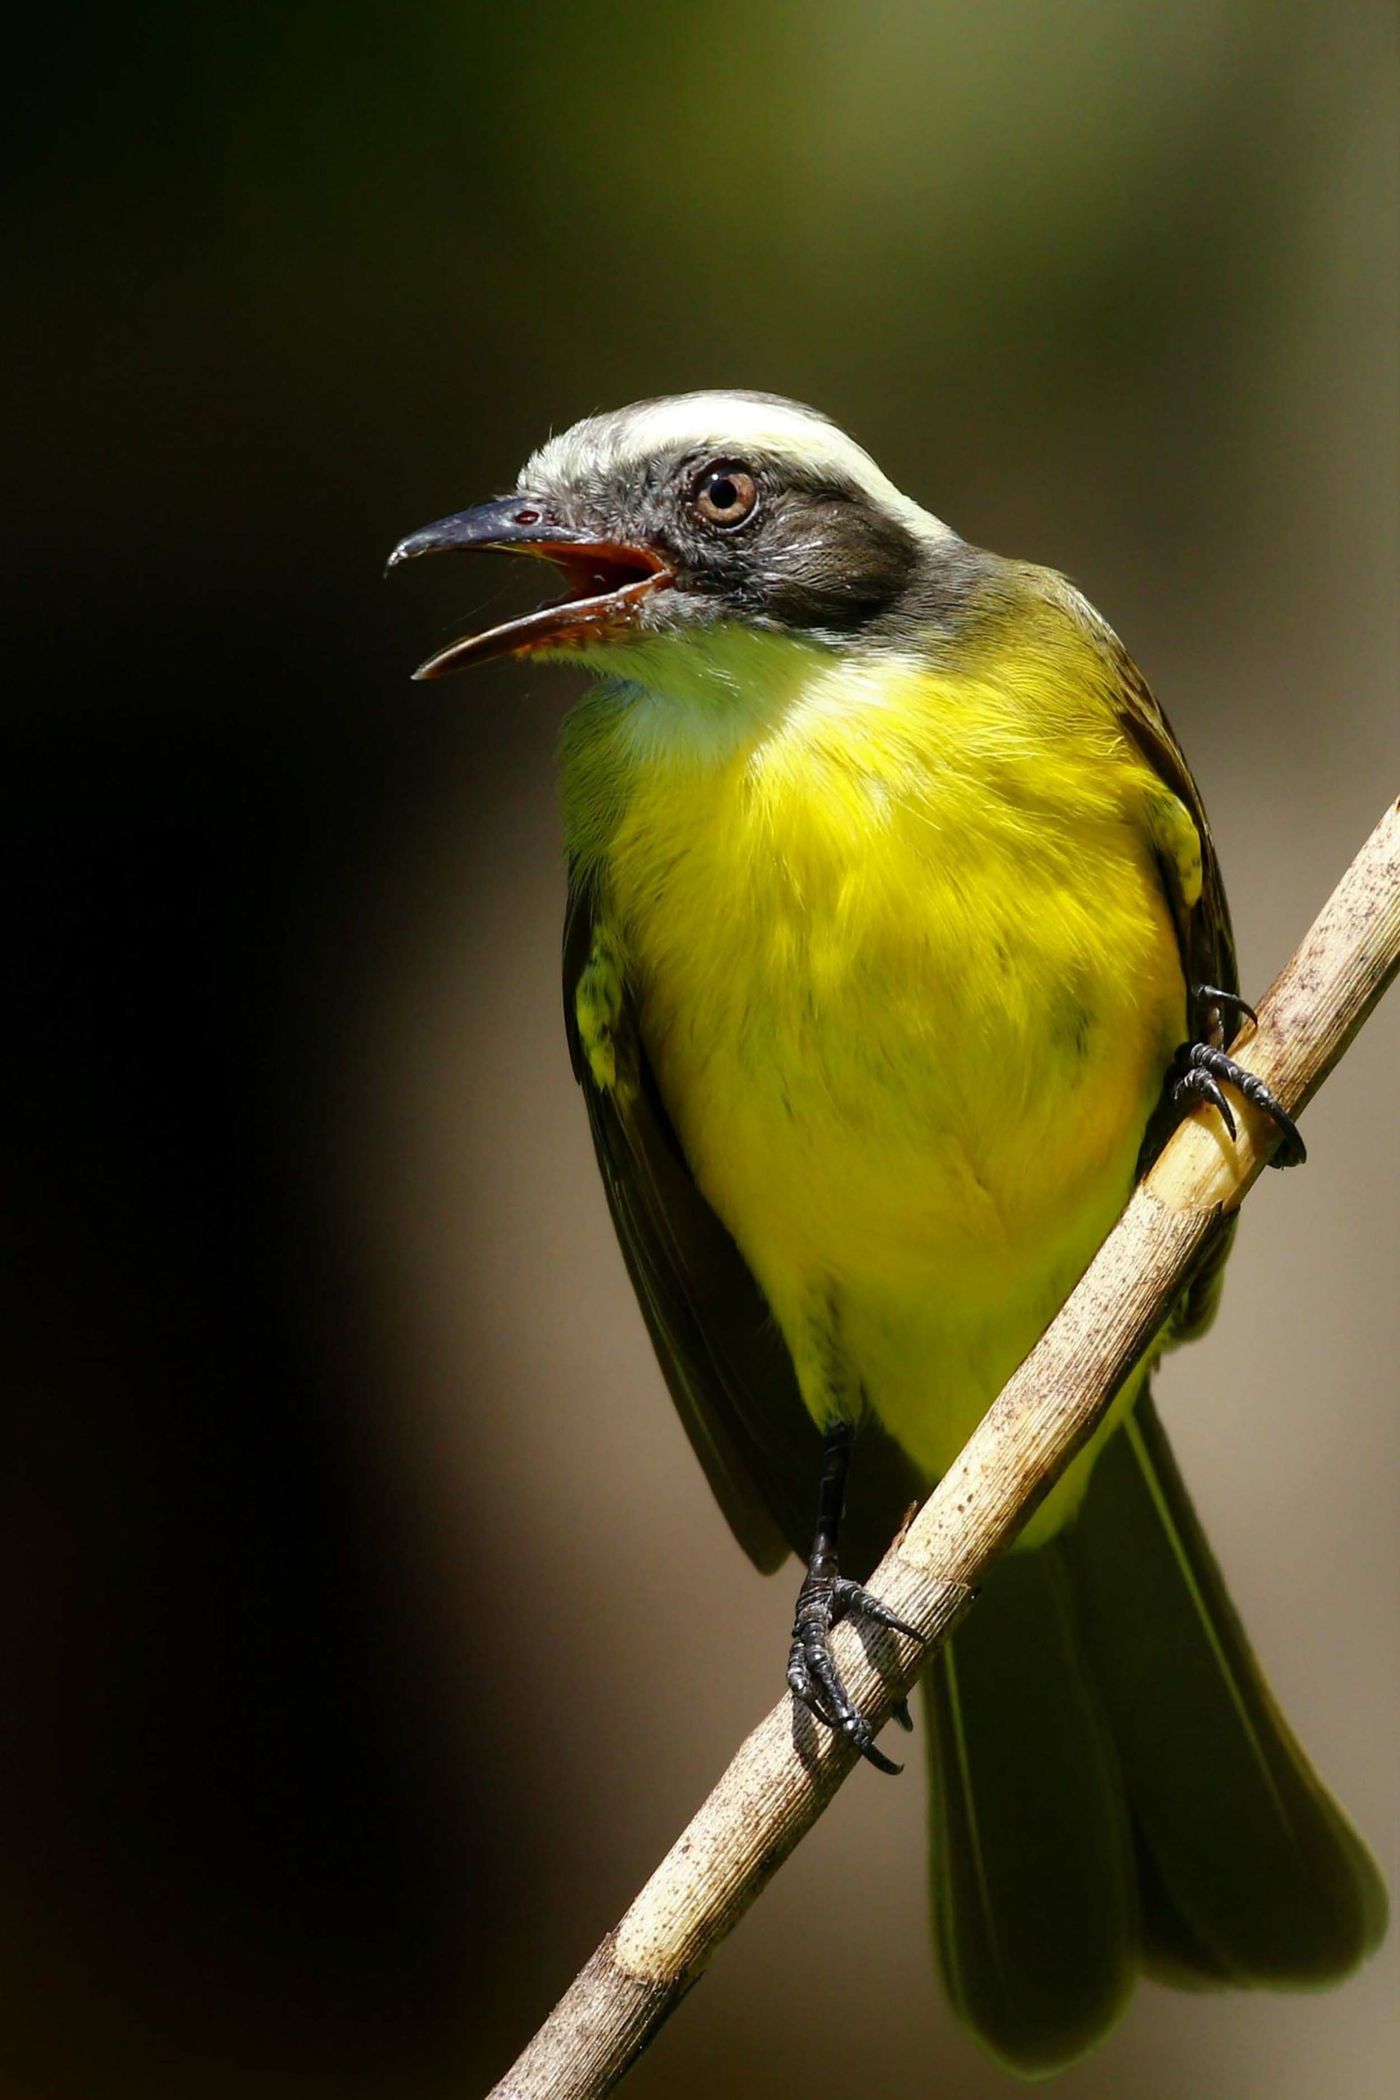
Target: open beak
{"type": "Point", "coordinates": [607, 580]}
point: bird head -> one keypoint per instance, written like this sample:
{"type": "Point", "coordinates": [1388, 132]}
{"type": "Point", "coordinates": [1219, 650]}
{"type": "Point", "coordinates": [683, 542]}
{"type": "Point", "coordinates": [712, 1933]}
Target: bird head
{"type": "Point", "coordinates": [673, 518]}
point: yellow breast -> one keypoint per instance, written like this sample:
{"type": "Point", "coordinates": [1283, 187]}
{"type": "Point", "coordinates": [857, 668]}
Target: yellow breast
{"type": "Point", "coordinates": [908, 981]}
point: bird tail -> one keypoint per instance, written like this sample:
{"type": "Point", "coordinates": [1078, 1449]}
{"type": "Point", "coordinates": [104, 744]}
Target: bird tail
{"type": "Point", "coordinates": [1114, 1789]}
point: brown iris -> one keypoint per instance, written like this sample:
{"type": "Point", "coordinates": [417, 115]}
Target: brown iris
{"type": "Point", "coordinates": [725, 493]}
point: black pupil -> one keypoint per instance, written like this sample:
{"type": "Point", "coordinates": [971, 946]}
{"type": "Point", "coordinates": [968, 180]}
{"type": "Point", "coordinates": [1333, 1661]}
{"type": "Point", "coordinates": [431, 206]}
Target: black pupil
{"type": "Point", "coordinates": [723, 494]}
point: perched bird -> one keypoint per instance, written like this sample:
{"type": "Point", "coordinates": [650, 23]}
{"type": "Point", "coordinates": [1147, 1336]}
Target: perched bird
{"type": "Point", "coordinates": [895, 937]}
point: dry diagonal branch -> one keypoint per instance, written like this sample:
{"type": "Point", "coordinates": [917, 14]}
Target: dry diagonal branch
{"type": "Point", "coordinates": [784, 1775]}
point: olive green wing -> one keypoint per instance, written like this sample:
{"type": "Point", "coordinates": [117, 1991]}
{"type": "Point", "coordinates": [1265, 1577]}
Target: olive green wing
{"type": "Point", "coordinates": [1203, 929]}
{"type": "Point", "coordinates": [724, 1360]}
{"type": "Point", "coordinates": [1203, 933]}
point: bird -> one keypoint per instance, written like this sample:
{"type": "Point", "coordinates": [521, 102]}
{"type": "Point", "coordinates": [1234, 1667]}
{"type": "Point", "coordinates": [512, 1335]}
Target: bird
{"type": "Point", "coordinates": [895, 945]}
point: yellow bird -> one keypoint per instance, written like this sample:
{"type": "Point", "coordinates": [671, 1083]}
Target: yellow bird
{"type": "Point", "coordinates": [895, 932]}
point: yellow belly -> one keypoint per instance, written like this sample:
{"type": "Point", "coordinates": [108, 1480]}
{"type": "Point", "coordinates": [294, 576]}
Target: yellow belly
{"type": "Point", "coordinates": [909, 1021]}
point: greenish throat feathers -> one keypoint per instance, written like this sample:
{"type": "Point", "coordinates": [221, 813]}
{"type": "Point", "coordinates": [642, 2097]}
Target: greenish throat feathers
{"type": "Point", "coordinates": [890, 895]}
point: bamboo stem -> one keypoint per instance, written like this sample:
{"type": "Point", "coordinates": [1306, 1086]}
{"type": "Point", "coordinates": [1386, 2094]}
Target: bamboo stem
{"type": "Point", "coordinates": [786, 1772]}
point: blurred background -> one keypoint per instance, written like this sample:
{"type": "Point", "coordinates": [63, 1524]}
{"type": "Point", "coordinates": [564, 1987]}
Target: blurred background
{"type": "Point", "coordinates": [342, 1514]}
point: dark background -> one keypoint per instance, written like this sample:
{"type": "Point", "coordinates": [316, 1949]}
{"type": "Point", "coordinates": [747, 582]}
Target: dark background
{"type": "Point", "coordinates": [344, 1522]}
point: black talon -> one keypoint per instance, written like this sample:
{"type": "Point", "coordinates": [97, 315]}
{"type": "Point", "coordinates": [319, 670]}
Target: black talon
{"type": "Point", "coordinates": [825, 1598]}
{"type": "Point", "coordinates": [1196, 1083]}
{"type": "Point", "coordinates": [851, 1601]}
{"type": "Point", "coordinates": [1204, 997]}
{"type": "Point", "coordinates": [1200, 1067]}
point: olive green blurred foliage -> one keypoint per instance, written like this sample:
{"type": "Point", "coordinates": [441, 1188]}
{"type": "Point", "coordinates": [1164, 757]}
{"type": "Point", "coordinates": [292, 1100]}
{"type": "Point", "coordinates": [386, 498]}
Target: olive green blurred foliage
{"type": "Point", "coordinates": [345, 1525]}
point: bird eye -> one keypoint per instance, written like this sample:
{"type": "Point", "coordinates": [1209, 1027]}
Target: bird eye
{"type": "Point", "coordinates": [724, 493]}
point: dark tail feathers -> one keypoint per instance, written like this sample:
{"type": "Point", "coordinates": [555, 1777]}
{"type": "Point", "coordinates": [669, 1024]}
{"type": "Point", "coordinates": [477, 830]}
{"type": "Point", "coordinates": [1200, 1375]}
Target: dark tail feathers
{"type": "Point", "coordinates": [1114, 1788]}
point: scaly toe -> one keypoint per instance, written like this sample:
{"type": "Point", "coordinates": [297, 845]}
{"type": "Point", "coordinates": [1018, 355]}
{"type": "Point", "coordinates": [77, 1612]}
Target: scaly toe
{"type": "Point", "coordinates": [852, 1601]}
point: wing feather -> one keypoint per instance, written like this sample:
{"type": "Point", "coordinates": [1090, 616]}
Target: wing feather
{"type": "Point", "coordinates": [724, 1360]}
{"type": "Point", "coordinates": [1203, 931]}
{"type": "Point", "coordinates": [1204, 937]}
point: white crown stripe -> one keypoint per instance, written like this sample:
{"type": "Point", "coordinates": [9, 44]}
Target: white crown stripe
{"type": "Point", "coordinates": [724, 424]}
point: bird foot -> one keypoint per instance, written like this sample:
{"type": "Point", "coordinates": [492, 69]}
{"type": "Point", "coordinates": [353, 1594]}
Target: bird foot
{"type": "Point", "coordinates": [824, 1599]}
{"type": "Point", "coordinates": [1201, 1066]}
